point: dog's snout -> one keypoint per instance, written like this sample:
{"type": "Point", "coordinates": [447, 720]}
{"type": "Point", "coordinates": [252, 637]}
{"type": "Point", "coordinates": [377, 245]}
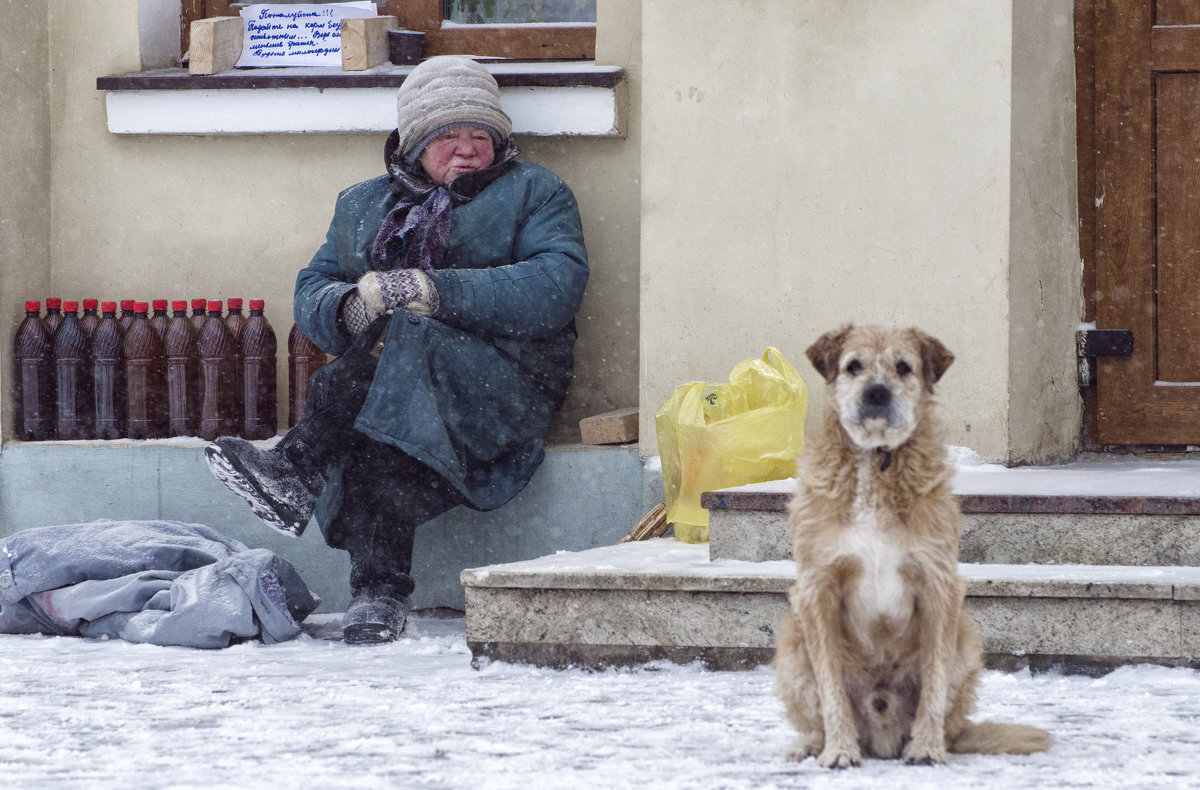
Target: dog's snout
{"type": "Point", "coordinates": [876, 400]}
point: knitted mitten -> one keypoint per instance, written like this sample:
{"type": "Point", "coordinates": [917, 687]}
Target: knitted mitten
{"type": "Point", "coordinates": [409, 289]}
{"type": "Point", "coordinates": [355, 314]}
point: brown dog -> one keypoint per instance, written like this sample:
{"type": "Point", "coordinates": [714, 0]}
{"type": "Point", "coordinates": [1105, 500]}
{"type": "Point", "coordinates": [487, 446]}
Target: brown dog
{"type": "Point", "coordinates": [877, 655]}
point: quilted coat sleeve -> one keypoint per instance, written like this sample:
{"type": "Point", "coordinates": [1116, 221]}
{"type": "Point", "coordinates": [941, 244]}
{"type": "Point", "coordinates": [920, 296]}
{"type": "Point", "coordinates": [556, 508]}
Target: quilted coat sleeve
{"type": "Point", "coordinates": [537, 295]}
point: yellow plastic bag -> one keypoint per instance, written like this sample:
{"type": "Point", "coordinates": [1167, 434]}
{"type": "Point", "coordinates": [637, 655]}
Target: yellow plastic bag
{"type": "Point", "coordinates": [747, 430]}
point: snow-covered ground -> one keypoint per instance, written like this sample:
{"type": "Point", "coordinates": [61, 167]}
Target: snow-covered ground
{"type": "Point", "coordinates": [314, 713]}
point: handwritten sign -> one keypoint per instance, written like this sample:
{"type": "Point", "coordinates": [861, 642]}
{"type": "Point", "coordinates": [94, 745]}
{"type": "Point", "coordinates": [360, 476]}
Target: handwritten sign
{"type": "Point", "coordinates": [297, 35]}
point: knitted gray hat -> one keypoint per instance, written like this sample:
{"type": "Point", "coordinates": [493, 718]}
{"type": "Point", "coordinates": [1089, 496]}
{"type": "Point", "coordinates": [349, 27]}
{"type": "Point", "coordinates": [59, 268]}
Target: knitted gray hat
{"type": "Point", "coordinates": [445, 92]}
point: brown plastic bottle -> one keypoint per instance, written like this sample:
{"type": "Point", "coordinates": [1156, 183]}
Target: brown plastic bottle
{"type": "Point", "coordinates": [183, 373]}
{"type": "Point", "coordinates": [215, 347]}
{"type": "Point", "coordinates": [199, 313]}
{"type": "Point", "coordinates": [258, 347]}
{"type": "Point", "coordinates": [158, 318]}
{"type": "Point", "coordinates": [90, 319]}
{"type": "Point", "coordinates": [145, 378]}
{"type": "Point", "coordinates": [54, 317]}
{"type": "Point", "coordinates": [235, 322]}
{"type": "Point", "coordinates": [73, 367]}
{"type": "Point", "coordinates": [126, 318]}
{"type": "Point", "coordinates": [304, 359]}
{"type": "Point", "coordinates": [33, 359]}
{"type": "Point", "coordinates": [108, 374]}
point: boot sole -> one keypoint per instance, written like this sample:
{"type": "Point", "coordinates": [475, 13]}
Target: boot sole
{"type": "Point", "coordinates": [226, 471]}
{"type": "Point", "coordinates": [369, 634]}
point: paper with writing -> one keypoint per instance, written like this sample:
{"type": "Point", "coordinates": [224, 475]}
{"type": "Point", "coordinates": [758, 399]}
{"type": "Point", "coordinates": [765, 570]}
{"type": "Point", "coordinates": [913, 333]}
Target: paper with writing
{"type": "Point", "coordinates": [297, 35]}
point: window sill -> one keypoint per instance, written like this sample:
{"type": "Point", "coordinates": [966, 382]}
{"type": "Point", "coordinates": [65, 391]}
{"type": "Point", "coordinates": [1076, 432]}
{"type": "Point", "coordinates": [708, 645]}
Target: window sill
{"type": "Point", "coordinates": [541, 98]}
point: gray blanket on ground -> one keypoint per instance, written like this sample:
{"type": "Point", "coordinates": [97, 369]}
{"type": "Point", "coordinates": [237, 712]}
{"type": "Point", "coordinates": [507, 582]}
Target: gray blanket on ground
{"type": "Point", "coordinates": [161, 582]}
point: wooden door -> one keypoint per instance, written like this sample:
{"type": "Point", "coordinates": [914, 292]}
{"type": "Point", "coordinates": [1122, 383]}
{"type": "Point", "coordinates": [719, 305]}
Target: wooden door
{"type": "Point", "coordinates": [1147, 197]}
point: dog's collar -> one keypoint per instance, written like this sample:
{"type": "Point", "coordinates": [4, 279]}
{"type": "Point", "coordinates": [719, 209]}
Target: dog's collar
{"type": "Point", "coordinates": [887, 458]}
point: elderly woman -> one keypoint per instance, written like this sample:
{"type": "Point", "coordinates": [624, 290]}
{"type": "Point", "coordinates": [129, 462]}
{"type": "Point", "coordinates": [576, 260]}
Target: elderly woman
{"type": "Point", "coordinates": [448, 290]}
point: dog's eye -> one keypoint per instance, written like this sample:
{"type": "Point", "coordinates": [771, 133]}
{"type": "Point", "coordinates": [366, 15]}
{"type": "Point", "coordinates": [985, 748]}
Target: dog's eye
{"type": "Point", "coordinates": [903, 368]}
{"type": "Point", "coordinates": [854, 367]}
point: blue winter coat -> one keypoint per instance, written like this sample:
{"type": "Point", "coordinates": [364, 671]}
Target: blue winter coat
{"type": "Point", "coordinates": [471, 390]}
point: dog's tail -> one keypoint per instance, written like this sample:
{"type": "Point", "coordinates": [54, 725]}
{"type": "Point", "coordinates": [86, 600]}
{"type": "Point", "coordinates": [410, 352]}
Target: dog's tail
{"type": "Point", "coordinates": [989, 737]}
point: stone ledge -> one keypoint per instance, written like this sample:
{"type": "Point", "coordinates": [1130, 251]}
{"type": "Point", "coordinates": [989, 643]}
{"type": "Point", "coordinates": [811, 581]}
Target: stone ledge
{"type": "Point", "coordinates": [662, 599]}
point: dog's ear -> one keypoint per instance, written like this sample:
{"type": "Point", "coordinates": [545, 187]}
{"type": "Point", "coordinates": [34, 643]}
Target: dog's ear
{"type": "Point", "coordinates": [935, 358]}
{"type": "Point", "coordinates": [825, 353]}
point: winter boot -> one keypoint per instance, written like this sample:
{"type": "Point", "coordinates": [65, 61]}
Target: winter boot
{"type": "Point", "coordinates": [279, 492]}
{"type": "Point", "coordinates": [376, 614]}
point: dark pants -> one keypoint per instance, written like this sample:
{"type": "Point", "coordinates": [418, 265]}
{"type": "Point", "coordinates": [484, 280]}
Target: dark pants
{"type": "Point", "coordinates": [385, 493]}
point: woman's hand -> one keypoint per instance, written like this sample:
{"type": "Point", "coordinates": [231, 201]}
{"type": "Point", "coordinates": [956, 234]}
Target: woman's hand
{"type": "Point", "coordinates": [408, 289]}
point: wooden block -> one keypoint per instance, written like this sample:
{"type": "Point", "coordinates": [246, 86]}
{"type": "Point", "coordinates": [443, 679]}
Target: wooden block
{"type": "Point", "coordinates": [614, 427]}
{"type": "Point", "coordinates": [216, 44]}
{"type": "Point", "coordinates": [365, 42]}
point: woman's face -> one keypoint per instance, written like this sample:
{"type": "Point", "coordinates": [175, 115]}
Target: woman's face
{"type": "Point", "coordinates": [462, 149]}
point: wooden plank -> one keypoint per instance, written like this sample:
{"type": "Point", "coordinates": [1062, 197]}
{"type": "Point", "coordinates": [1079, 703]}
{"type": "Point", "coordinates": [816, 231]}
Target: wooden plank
{"type": "Point", "coordinates": [365, 42]}
{"type": "Point", "coordinates": [527, 42]}
{"type": "Point", "coordinates": [613, 427]}
{"type": "Point", "coordinates": [415, 14]}
{"type": "Point", "coordinates": [216, 44]}
{"type": "Point", "coordinates": [1176, 12]}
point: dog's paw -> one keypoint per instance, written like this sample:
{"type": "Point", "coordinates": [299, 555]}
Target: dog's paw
{"type": "Point", "coordinates": [917, 753]}
{"type": "Point", "coordinates": [804, 748]}
{"type": "Point", "coordinates": [845, 757]}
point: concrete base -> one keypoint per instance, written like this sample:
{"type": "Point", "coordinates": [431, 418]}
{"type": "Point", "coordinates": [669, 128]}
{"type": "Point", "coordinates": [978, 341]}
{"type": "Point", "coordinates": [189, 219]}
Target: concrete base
{"type": "Point", "coordinates": [663, 599]}
{"type": "Point", "coordinates": [581, 497]}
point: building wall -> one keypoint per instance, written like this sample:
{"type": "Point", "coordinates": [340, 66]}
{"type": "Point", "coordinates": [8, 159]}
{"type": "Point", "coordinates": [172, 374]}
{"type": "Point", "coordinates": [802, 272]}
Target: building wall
{"type": "Point", "coordinates": [1045, 282]}
{"type": "Point", "coordinates": [25, 177]}
{"type": "Point", "coordinates": [809, 163]}
{"type": "Point", "coordinates": [177, 217]}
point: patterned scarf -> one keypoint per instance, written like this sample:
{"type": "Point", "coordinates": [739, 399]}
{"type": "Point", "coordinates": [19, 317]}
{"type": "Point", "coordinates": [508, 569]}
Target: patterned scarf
{"type": "Point", "coordinates": [414, 235]}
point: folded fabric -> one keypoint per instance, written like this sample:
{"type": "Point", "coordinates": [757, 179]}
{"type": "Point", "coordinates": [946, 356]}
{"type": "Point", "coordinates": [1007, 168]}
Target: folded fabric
{"type": "Point", "coordinates": [160, 582]}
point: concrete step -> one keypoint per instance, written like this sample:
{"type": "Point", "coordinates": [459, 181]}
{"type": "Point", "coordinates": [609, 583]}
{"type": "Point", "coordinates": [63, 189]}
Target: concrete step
{"type": "Point", "coordinates": [1096, 512]}
{"type": "Point", "coordinates": [662, 599]}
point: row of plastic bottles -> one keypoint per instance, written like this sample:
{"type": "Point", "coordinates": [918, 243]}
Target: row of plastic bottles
{"type": "Point", "coordinates": [143, 375]}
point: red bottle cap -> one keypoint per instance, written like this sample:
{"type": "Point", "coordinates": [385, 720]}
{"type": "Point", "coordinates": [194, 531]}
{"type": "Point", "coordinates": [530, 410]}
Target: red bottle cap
{"type": "Point", "coordinates": [127, 304]}
{"type": "Point", "coordinates": [179, 304]}
{"type": "Point", "coordinates": [108, 307]}
{"type": "Point", "coordinates": [53, 303]}
{"type": "Point", "coordinates": [235, 302]}
{"type": "Point", "coordinates": [198, 304]}
{"type": "Point", "coordinates": [91, 304]}
{"type": "Point", "coordinates": [32, 305]}
{"type": "Point", "coordinates": [160, 304]}
{"type": "Point", "coordinates": [214, 306]}
{"type": "Point", "coordinates": [256, 304]}
{"type": "Point", "coordinates": [70, 306]}
{"type": "Point", "coordinates": [140, 307]}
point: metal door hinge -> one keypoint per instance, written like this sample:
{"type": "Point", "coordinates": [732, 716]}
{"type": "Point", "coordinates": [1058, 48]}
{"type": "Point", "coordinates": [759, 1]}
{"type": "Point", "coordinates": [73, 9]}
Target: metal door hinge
{"type": "Point", "coordinates": [1092, 343]}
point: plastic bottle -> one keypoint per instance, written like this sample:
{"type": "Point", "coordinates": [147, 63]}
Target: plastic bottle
{"type": "Point", "coordinates": [33, 358]}
{"type": "Point", "coordinates": [199, 313]}
{"type": "Point", "coordinates": [54, 317]}
{"type": "Point", "coordinates": [183, 373]}
{"type": "Point", "coordinates": [90, 319]}
{"type": "Point", "coordinates": [304, 359]}
{"type": "Point", "coordinates": [145, 378]}
{"type": "Point", "coordinates": [108, 374]}
{"type": "Point", "coordinates": [158, 318]}
{"type": "Point", "coordinates": [217, 376]}
{"type": "Point", "coordinates": [73, 366]}
{"type": "Point", "coordinates": [258, 350]}
{"type": "Point", "coordinates": [126, 318]}
{"type": "Point", "coordinates": [235, 322]}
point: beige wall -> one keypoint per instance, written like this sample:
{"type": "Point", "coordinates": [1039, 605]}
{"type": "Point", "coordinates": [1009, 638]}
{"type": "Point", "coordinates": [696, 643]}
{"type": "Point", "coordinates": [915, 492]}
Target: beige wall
{"type": "Point", "coordinates": [177, 217]}
{"type": "Point", "coordinates": [25, 175]}
{"type": "Point", "coordinates": [810, 163]}
{"type": "Point", "coordinates": [789, 166]}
